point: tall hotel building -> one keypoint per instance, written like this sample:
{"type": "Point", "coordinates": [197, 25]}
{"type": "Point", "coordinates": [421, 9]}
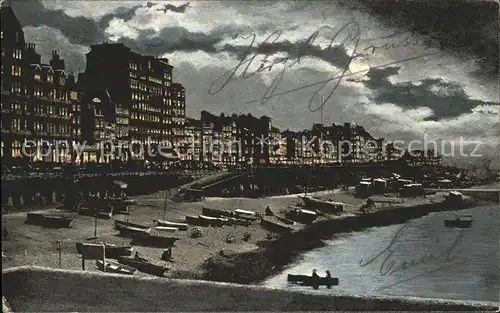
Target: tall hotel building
{"type": "Point", "coordinates": [141, 88]}
{"type": "Point", "coordinates": [37, 101]}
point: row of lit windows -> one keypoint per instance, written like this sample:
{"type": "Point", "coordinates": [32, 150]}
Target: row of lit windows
{"type": "Point", "coordinates": [76, 120]}
{"type": "Point", "coordinates": [140, 96]}
{"type": "Point", "coordinates": [144, 117]}
{"type": "Point", "coordinates": [122, 120]}
{"type": "Point", "coordinates": [51, 109]}
{"type": "Point", "coordinates": [19, 124]}
{"type": "Point", "coordinates": [133, 66]}
{"type": "Point", "coordinates": [50, 78]}
{"type": "Point", "coordinates": [153, 131]}
{"type": "Point", "coordinates": [146, 107]}
{"type": "Point", "coordinates": [51, 128]}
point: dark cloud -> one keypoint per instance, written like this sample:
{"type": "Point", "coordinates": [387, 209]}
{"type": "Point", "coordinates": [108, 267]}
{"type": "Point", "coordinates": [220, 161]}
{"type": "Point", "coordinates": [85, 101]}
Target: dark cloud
{"type": "Point", "coordinates": [467, 29]}
{"type": "Point", "coordinates": [79, 30]}
{"type": "Point", "coordinates": [445, 99]}
{"type": "Point", "coordinates": [170, 7]}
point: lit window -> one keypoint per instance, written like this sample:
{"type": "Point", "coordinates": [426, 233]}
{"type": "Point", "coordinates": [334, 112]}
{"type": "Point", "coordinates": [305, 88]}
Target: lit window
{"type": "Point", "coordinates": [37, 76]}
{"type": "Point", "coordinates": [16, 123]}
{"type": "Point", "coordinates": [16, 70]}
{"type": "Point", "coordinates": [50, 78]}
{"type": "Point", "coordinates": [17, 54]}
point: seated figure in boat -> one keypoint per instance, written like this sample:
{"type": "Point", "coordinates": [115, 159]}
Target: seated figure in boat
{"type": "Point", "coordinates": [315, 277]}
{"type": "Point", "coordinates": [328, 277]}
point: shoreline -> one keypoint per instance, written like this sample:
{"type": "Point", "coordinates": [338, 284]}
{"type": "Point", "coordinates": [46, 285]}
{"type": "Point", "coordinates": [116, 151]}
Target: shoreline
{"type": "Point", "coordinates": [256, 266]}
{"type": "Point", "coordinates": [245, 262]}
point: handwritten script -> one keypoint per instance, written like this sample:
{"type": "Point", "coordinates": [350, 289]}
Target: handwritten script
{"type": "Point", "coordinates": [389, 264]}
{"type": "Point", "coordinates": [348, 36]}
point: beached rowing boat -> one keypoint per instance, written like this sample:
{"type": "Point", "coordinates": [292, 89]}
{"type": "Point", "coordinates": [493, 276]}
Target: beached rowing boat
{"type": "Point", "coordinates": [119, 224]}
{"type": "Point", "coordinates": [180, 226]}
{"type": "Point", "coordinates": [51, 220]}
{"type": "Point", "coordinates": [275, 226]}
{"type": "Point", "coordinates": [114, 267]}
{"type": "Point", "coordinates": [144, 266]}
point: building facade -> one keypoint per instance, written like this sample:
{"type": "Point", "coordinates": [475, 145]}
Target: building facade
{"type": "Point", "coordinates": [144, 104]}
{"type": "Point", "coordinates": [37, 101]}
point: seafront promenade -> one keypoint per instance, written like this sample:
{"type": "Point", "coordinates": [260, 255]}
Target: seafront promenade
{"type": "Point", "coordinates": [72, 291]}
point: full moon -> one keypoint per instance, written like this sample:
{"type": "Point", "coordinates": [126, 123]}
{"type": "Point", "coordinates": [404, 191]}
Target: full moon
{"type": "Point", "coordinates": [359, 67]}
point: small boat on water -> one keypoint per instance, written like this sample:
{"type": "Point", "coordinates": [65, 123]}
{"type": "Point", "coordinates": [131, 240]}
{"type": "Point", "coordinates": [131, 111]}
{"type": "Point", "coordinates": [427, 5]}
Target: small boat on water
{"type": "Point", "coordinates": [306, 280]}
{"type": "Point", "coordinates": [461, 221]}
{"type": "Point", "coordinates": [112, 251]}
{"type": "Point", "coordinates": [119, 224]}
{"type": "Point", "coordinates": [51, 220]}
{"type": "Point", "coordinates": [180, 226]}
{"type": "Point", "coordinates": [115, 267]}
{"type": "Point", "coordinates": [275, 226]}
{"type": "Point", "coordinates": [144, 266]}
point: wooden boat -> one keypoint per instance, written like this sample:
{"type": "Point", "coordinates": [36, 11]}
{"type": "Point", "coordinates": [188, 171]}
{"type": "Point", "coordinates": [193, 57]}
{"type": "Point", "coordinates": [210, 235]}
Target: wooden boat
{"type": "Point", "coordinates": [212, 221]}
{"type": "Point", "coordinates": [114, 267]}
{"type": "Point", "coordinates": [301, 215]}
{"type": "Point", "coordinates": [306, 280]}
{"type": "Point", "coordinates": [119, 224]}
{"type": "Point", "coordinates": [105, 214]}
{"type": "Point", "coordinates": [155, 239]}
{"type": "Point", "coordinates": [129, 231]}
{"type": "Point", "coordinates": [216, 212]}
{"type": "Point", "coordinates": [285, 220]}
{"type": "Point", "coordinates": [323, 205]}
{"type": "Point", "coordinates": [275, 226]}
{"type": "Point", "coordinates": [180, 226]}
{"type": "Point", "coordinates": [52, 220]}
{"type": "Point", "coordinates": [166, 229]}
{"type": "Point", "coordinates": [238, 221]}
{"type": "Point", "coordinates": [144, 266]}
{"type": "Point", "coordinates": [462, 221]}
{"type": "Point", "coordinates": [193, 220]}
{"type": "Point", "coordinates": [247, 215]}
{"type": "Point", "coordinates": [112, 251]}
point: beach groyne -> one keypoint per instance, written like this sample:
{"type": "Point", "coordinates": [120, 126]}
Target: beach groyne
{"type": "Point", "coordinates": [257, 265]}
{"type": "Point", "coordinates": [36, 289]}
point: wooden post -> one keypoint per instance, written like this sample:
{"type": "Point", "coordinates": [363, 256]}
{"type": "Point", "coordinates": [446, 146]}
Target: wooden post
{"type": "Point", "coordinates": [83, 263]}
{"type": "Point", "coordinates": [103, 257]}
{"type": "Point", "coordinates": [95, 226]}
{"type": "Point", "coordinates": [59, 249]}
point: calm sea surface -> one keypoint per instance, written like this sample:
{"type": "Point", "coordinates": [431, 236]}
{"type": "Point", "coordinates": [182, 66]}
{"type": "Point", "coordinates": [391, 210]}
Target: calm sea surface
{"type": "Point", "coordinates": [421, 258]}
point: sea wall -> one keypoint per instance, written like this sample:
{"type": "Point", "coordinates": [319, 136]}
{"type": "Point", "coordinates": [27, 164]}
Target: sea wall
{"type": "Point", "coordinates": [30, 289]}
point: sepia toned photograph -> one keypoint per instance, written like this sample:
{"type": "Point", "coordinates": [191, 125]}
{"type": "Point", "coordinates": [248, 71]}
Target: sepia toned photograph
{"type": "Point", "coordinates": [221, 156]}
